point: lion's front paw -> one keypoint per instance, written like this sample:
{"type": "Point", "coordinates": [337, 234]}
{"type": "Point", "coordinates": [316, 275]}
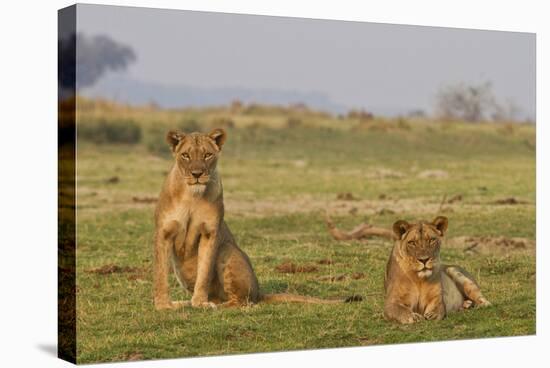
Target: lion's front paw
{"type": "Point", "coordinates": [412, 318]}
{"type": "Point", "coordinates": [207, 305]}
{"type": "Point", "coordinates": [201, 302]}
{"type": "Point", "coordinates": [433, 315]}
{"type": "Point", "coordinates": [467, 304]}
{"type": "Point", "coordinates": [483, 303]}
{"type": "Point", "coordinates": [166, 305]}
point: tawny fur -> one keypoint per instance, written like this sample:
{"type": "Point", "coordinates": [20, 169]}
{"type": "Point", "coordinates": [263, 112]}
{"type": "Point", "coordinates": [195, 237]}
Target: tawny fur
{"type": "Point", "coordinates": [417, 285]}
{"type": "Point", "coordinates": [192, 237]}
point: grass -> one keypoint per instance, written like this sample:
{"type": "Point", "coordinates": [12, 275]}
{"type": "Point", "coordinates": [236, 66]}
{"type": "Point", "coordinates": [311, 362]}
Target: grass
{"type": "Point", "coordinates": [277, 183]}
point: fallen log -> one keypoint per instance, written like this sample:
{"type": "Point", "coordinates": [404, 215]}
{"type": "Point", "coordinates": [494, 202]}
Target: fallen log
{"type": "Point", "coordinates": [361, 232]}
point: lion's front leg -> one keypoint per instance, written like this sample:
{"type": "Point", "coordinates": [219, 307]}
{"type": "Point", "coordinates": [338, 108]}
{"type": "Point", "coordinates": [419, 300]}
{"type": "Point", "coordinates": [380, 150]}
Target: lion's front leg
{"type": "Point", "coordinates": [435, 310]}
{"type": "Point", "coordinates": [164, 242]}
{"type": "Point", "coordinates": [434, 303]}
{"type": "Point", "coordinates": [208, 252]}
{"type": "Point", "coordinates": [400, 313]}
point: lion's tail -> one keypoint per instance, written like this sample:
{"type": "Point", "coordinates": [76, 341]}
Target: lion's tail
{"type": "Point", "coordinates": [295, 298]}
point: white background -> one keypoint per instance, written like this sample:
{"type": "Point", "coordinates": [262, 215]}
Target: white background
{"type": "Point", "coordinates": [28, 180]}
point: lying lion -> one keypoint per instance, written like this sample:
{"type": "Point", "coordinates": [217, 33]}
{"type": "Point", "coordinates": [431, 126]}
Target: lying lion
{"type": "Point", "coordinates": [192, 236]}
{"type": "Point", "coordinates": [417, 285]}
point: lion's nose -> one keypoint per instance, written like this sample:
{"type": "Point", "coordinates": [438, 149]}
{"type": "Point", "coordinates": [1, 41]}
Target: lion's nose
{"type": "Point", "coordinates": [196, 173]}
{"type": "Point", "coordinates": [424, 259]}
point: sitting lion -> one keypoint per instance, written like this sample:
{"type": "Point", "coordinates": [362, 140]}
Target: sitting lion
{"type": "Point", "coordinates": [417, 285]}
{"type": "Point", "coordinates": [192, 237]}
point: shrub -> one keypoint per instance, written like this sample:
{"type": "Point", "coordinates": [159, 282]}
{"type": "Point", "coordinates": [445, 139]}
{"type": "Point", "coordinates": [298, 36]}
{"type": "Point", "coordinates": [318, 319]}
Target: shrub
{"type": "Point", "coordinates": [189, 126]}
{"type": "Point", "coordinates": [293, 122]}
{"type": "Point", "coordinates": [155, 137]}
{"type": "Point", "coordinates": [374, 126]}
{"type": "Point", "coordinates": [403, 124]}
{"type": "Point", "coordinates": [110, 131]}
{"type": "Point", "coordinates": [507, 129]}
{"type": "Point", "coordinates": [222, 122]}
{"type": "Point", "coordinates": [155, 141]}
{"type": "Point", "coordinates": [361, 115]}
{"type": "Point", "coordinates": [236, 106]}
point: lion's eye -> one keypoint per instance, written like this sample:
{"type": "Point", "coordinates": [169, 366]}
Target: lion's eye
{"type": "Point", "coordinates": [207, 156]}
{"type": "Point", "coordinates": [185, 156]}
{"type": "Point", "coordinates": [410, 243]}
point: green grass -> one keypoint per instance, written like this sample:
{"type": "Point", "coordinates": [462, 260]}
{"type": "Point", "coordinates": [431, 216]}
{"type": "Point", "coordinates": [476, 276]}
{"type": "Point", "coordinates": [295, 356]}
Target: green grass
{"type": "Point", "coordinates": [265, 170]}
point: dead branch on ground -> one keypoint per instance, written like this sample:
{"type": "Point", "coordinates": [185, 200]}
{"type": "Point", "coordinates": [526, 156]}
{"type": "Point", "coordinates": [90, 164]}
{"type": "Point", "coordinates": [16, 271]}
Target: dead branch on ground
{"type": "Point", "coordinates": [361, 232]}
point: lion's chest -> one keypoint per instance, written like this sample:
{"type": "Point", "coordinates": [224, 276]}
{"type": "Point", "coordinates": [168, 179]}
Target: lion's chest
{"type": "Point", "coordinates": [193, 218]}
{"type": "Point", "coordinates": [187, 242]}
{"type": "Point", "coordinates": [185, 250]}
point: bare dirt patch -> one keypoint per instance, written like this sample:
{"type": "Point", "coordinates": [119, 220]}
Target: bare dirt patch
{"type": "Point", "coordinates": [109, 269]}
{"type": "Point", "coordinates": [358, 275]}
{"type": "Point", "coordinates": [300, 163]}
{"type": "Point", "coordinates": [112, 180]}
{"type": "Point", "coordinates": [137, 277]}
{"type": "Point", "coordinates": [385, 211]}
{"type": "Point", "coordinates": [510, 200]}
{"type": "Point", "coordinates": [131, 356]}
{"type": "Point", "coordinates": [247, 205]}
{"type": "Point", "coordinates": [347, 196]}
{"type": "Point", "coordinates": [384, 173]}
{"type": "Point", "coordinates": [308, 203]}
{"type": "Point", "coordinates": [455, 198]}
{"type": "Point", "coordinates": [433, 174]}
{"type": "Point", "coordinates": [136, 199]}
{"type": "Point", "coordinates": [342, 277]}
{"type": "Point", "coordinates": [289, 267]}
{"type": "Point", "coordinates": [492, 244]}
{"type": "Point", "coordinates": [333, 278]}
{"type": "Point", "coordinates": [325, 261]}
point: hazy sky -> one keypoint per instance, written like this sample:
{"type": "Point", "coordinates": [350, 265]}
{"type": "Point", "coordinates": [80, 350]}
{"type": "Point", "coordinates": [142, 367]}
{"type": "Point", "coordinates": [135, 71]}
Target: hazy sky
{"type": "Point", "coordinates": [356, 64]}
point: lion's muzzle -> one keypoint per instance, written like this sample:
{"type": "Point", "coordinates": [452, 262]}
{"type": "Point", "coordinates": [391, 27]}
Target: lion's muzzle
{"type": "Point", "coordinates": [425, 266]}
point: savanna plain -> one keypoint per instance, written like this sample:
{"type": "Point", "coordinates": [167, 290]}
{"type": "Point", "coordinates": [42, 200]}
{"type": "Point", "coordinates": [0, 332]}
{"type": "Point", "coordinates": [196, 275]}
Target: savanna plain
{"type": "Point", "coordinates": [283, 169]}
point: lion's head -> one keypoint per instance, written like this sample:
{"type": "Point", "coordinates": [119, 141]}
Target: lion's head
{"type": "Point", "coordinates": [419, 244]}
{"type": "Point", "coordinates": [196, 155]}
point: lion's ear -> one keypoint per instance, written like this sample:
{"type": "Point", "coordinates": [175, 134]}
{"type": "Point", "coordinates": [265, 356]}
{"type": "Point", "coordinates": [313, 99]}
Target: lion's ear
{"type": "Point", "coordinates": [441, 223]}
{"type": "Point", "coordinates": [219, 136]}
{"type": "Point", "coordinates": [173, 138]}
{"type": "Point", "coordinates": [400, 227]}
